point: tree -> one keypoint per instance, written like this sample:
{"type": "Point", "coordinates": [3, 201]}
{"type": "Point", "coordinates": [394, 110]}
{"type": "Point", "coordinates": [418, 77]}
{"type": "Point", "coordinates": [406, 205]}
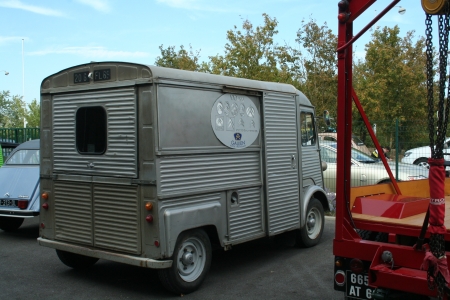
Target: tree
{"type": "Point", "coordinates": [4, 106]}
{"type": "Point", "coordinates": [320, 65]}
{"type": "Point", "coordinates": [16, 113]}
{"type": "Point", "coordinates": [13, 111]}
{"type": "Point", "coordinates": [391, 83]}
{"type": "Point", "coordinates": [34, 114]}
{"type": "Point", "coordinates": [253, 54]}
{"type": "Point", "coordinates": [183, 59]}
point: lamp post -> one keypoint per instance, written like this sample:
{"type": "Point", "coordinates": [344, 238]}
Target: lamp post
{"type": "Point", "coordinates": [401, 10]}
{"type": "Point", "coordinates": [6, 72]}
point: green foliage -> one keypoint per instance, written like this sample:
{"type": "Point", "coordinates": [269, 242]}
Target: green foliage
{"type": "Point", "coordinates": [320, 65]}
{"type": "Point", "coordinates": [183, 59]}
{"type": "Point", "coordinates": [34, 114]}
{"type": "Point", "coordinates": [13, 111]}
{"type": "Point", "coordinates": [391, 83]}
{"type": "Point", "coordinates": [253, 54]}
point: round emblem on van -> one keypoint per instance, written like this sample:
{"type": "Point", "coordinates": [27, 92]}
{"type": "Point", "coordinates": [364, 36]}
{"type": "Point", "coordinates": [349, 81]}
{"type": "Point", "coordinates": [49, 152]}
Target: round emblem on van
{"type": "Point", "coordinates": [235, 120]}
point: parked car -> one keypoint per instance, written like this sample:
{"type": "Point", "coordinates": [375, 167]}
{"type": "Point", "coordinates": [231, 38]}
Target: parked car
{"type": "Point", "coordinates": [356, 141]}
{"type": "Point", "coordinates": [19, 186]}
{"type": "Point", "coordinates": [419, 156]}
{"type": "Point", "coordinates": [6, 147]}
{"type": "Point", "coordinates": [365, 170]}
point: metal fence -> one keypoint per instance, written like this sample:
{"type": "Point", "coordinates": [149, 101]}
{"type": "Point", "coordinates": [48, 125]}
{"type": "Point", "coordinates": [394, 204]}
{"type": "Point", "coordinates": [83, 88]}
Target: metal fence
{"type": "Point", "coordinates": [16, 136]}
{"type": "Point", "coordinates": [409, 145]}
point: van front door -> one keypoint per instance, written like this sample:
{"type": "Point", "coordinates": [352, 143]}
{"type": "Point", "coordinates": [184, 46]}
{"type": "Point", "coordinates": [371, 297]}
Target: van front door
{"type": "Point", "coordinates": [310, 170]}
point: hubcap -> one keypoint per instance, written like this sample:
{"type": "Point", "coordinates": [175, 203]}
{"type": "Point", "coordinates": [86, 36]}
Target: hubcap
{"type": "Point", "coordinates": [423, 164]}
{"type": "Point", "coordinates": [191, 259]}
{"type": "Point", "coordinates": [187, 258]}
{"type": "Point", "coordinates": [313, 223]}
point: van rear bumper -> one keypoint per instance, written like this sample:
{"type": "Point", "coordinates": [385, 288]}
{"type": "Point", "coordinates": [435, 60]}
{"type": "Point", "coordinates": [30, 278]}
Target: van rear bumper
{"type": "Point", "coordinates": [122, 258]}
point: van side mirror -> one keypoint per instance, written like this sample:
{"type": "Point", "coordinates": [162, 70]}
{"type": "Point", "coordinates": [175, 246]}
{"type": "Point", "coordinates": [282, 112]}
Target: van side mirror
{"type": "Point", "coordinates": [445, 146]}
{"type": "Point", "coordinates": [324, 165]}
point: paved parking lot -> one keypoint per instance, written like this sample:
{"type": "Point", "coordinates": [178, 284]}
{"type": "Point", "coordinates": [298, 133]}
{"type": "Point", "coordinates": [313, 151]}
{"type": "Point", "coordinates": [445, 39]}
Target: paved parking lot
{"type": "Point", "coordinates": [256, 270]}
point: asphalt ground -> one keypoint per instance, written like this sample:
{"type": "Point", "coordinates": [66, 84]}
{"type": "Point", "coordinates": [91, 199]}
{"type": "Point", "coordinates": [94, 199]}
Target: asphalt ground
{"type": "Point", "coordinates": [260, 269]}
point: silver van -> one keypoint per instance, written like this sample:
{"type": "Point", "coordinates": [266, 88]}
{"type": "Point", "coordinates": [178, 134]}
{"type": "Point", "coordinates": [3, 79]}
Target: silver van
{"type": "Point", "coordinates": [152, 166]}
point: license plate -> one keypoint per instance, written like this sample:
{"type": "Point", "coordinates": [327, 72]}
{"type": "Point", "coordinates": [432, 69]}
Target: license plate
{"type": "Point", "coordinates": [357, 286]}
{"type": "Point", "coordinates": [7, 202]}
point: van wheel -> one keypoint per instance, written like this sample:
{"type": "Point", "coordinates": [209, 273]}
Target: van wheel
{"type": "Point", "coordinates": [191, 261]}
{"type": "Point", "coordinates": [311, 233]}
{"type": "Point", "coordinates": [76, 261]}
{"type": "Point", "coordinates": [10, 224]}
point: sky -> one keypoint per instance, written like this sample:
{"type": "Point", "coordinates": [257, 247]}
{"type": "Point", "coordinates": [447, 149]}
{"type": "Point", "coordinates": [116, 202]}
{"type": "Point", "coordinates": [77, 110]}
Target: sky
{"type": "Point", "coordinates": [40, 38]}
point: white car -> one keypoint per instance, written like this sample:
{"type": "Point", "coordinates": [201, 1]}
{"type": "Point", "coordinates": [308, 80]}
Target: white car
{"type": "Point", "coordinates": [419, 156]}
{"type": "Point", "coordinates": [365, 170]}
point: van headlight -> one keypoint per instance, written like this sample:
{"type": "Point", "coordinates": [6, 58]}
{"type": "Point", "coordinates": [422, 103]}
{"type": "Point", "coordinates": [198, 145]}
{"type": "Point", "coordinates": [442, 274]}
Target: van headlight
{"type": "Point", "coordinates": [407, 154]}
{"type": "Point", "coordinates": [416, 177]}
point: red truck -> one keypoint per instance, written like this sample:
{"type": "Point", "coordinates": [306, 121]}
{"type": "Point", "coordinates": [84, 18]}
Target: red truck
{"type": "Point", "coordinates": [391, 240]}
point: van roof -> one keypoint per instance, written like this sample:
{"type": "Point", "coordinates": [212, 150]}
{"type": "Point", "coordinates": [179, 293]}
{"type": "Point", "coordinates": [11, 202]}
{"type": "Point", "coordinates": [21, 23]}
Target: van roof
{"type": "Point", "coordinates": [174, 74]}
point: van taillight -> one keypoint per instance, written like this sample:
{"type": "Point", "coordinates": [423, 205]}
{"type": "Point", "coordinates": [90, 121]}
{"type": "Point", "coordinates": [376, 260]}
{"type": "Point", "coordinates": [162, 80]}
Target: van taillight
{"type": "Point", "coordinates": [22, 204]}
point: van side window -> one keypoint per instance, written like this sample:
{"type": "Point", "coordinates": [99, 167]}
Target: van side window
{"type": "Point", "coordinates": [91, 130]}
{"type": "Point", "coordinates": [308, 129]}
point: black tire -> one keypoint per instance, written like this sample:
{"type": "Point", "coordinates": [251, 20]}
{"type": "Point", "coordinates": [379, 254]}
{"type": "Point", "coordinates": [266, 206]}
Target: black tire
{"type": "Point", "coordinates": [382, 237]}
{"type": "Point", "coordinates": [366, 234]}
{"type": "Point", "coordinates": [10, 224]}
{"type": "Point", "coordinates": [422, 162]}
{"type": "Point", "coordinates": [76, 261]}
{"type": "Point", "coordinates": [311, 233]}
{"type": "Point", "coordinates": [385, 181]}
{"type": "Point", "coordinates": [373, 235]}
{"type": "Point", "coordinates": [191, 262]}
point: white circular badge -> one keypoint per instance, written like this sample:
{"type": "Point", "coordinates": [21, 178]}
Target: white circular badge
{"type": "Point", "coordinates": [235, 120]}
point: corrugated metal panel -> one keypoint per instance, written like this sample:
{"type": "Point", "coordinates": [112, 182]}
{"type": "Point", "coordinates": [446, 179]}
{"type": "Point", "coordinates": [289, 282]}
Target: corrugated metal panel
{"type": "Point", "coordinates": [120, 157]}
{"type": "Point", "coordinates": [73, 212]}
{"type": "Point", "coordinates": [311, 167]}
{"type": "Point", "coordinates": [246, 220]}
{"type": "Point", "coordinates": [199, 173]}
{"type": "Point", "coordinates": [116, 218]}
{"type": "Point", "coordinates": [280, 129]}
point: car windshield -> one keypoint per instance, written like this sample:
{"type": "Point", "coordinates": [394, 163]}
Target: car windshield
{"type": "Point", "coordinates": [24, 157]}
{"type": "Point", "coordinates": [358, 155]}
{"type": "Point", "coordinates": [357, 141]}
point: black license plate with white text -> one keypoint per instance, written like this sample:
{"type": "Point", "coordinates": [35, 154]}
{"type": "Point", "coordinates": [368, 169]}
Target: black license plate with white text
{"type": "Point", "coordinates": [8, 202]}
{"type": "Point", "coordinates": [357, 286]}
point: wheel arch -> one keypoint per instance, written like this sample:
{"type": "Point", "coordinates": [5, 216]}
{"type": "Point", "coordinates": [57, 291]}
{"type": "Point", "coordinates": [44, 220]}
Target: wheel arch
{"type": "Point", "coordinates": [313, 191]}
{"type": "Point", "coordinates": [417, 160]}
{"type": "Point", "coordinates": [178, 220]}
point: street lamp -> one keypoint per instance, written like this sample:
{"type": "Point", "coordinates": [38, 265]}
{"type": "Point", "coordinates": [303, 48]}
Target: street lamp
{"type": "Point", "coordinates": [6, 72]}
{"type": "Point", "coordinates": [401, 10]}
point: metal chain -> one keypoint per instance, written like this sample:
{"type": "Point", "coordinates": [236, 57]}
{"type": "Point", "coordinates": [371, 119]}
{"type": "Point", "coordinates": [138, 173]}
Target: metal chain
{"type": "Point", "coordinates": [437, 247]}
{"type": "Point", "coordinates": [443, 52]}
{"type": "Point", "coordinates": [437, 242]}
{"type": "Point", "coordinates": [430, 75]}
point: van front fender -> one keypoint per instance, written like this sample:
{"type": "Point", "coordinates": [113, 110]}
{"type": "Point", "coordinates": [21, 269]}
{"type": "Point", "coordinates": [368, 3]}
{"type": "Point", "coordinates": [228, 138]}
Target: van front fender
{"type": "Point", "coordinates": [312, 191]}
